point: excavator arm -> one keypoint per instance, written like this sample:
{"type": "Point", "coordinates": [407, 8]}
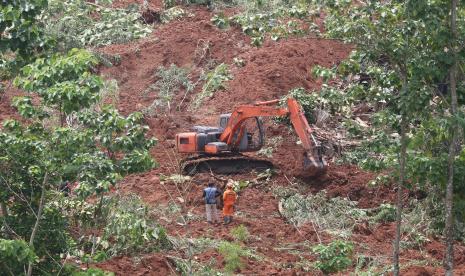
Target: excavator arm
{"type": "Point", "coordinates": [313, 160]}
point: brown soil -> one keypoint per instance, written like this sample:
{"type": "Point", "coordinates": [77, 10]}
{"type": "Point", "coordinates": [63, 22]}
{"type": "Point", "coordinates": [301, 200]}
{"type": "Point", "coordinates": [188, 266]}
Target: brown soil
{"type": "Point", "coordinates": [155, 264]}
{"type": "Point", "coordinates": [6, 110]}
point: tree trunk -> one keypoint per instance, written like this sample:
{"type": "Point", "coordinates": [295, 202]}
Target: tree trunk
{"type": "Point", "coordinates": [449, 228]}
{"type": "Point", "coordinates": [400, 187]}
{"type": "Point", "coordinates": [4, 209]}
{"type": "Point", "coordinates": [36, 225]}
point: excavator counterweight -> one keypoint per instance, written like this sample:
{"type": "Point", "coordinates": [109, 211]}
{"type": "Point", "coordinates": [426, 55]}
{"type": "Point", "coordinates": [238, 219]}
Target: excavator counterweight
{"type": "Point", "coordinates": [221, 148]}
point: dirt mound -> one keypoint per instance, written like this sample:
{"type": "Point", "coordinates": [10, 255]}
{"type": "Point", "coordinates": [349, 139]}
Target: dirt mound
{"type": "Point", "coordinates": [277, 67]}
{"type": "Point", "coordinates": [437, 250]}
{"type": "Point", "coordinates": [148, 265]}
{"type": "Point", "coordinates": [179, 42]}
{"type": "Point", "coordinates": [430, 271]}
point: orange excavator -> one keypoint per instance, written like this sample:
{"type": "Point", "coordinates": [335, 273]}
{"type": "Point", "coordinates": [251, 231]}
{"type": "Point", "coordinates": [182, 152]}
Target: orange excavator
{"type": "Point", "coordinates": [220, 149]}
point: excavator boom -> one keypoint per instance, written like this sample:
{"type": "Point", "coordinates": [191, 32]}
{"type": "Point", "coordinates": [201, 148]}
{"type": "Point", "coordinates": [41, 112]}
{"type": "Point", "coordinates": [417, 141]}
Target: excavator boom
{"type": "Point", "coordinates": [232, 135]}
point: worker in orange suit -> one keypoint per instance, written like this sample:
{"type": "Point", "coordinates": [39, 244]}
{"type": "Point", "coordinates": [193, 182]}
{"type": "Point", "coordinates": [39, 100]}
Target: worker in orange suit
{"type": "Point", "coordinates": [229, 198]}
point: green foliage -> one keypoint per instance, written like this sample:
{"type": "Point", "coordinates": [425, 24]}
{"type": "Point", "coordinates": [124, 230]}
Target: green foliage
{"type": "Point", "coordinates": [240, 233]}
{"type": "Point", "coordinates": [334, 257]}
{"type": "Point", "coordinates": [93, 146]}
{"type": "Point", "coordinates": [63, 82]}
{"type": "Point", "coordinates": [386, 213]}
{"type": "Point", "coordinates": [167, 4]}
{"type": "Point", "coordinates": [130, 230]}
{"type": "Point", "coordinates": [18, 25]}
{"type": "Point", "coordinates": [93, 272]}
{"type": "Point", "coordinates": [259, 25]}
{"type": "Point", "coordinates": [232, 253]}
{"type": "Point", "coordinates": [270, 146]}
{"type": "Point", "coordinates": [15, 255]}
{"type": "Point", "coordinates": [174, 13]}
{"type": "Point", "coordinates": [214, 81]}
{"type": "Point", "coordinates": [220, 21]}
{"type": "Point", "coordinates": [170, 81]}
{"type": "Point", "coordinates": [335, 215]}
{"type": "Point", "coordinates": [77, 24]}
{"type": "Point", "coordinates": [328, 99]}
{"type": "Point", "coordinates": [240, 185]}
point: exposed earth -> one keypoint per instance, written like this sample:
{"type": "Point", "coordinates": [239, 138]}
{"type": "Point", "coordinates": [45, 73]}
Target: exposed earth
{"type": "Point", "coordinates": [269, 72]}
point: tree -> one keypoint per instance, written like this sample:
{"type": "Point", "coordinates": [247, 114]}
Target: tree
{"type": "Point", "coordinates": [449, 229]}
{"type": "Point", "coordinates": [19, 31]}
{"type": "Point", "coordinates": [90, 146]}
{"type": "Point", "coordinates": [404, 64]}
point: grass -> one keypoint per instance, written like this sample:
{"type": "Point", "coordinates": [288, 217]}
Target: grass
{"type": "Point", "coordinates": [240, 233]}
{"type": "Point", "coordinates": [232, 253]}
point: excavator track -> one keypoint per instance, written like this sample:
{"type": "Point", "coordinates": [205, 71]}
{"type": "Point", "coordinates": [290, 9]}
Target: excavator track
{"type": "Point", "coordinates": [228, 164]}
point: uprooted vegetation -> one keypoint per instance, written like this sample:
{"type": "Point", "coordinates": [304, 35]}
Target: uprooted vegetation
{"type": "Point", "coordinates": [214, 81]}
{"type": "Point", "coordinates": [169, 83]}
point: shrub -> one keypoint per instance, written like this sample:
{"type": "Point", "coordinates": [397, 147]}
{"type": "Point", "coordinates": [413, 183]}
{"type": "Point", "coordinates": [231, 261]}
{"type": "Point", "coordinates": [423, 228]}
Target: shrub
{"type": "Point", "coordinates": [170, 81]}
{"type": "Point", "coordinates": [76, 24]}
{"type": "Point", "coordinates": [232, 253]}
{"type": "Point", "coordinates": [220, 21]}
{"type": "Point", "coordinates": [265, 18]}
{"type": "Point", "coordinates": [240, 233]}
{"type": "Point", "coordinates": [130, 230]}
{"type": "Point", "coordinates": [174, 13]}
{"type": "Point", "coordinates": [386, 213]}
{"type": "Point", "coordinates": [15, 255]}
{"type": "Point", "coordinates": [214, 81]}
{"type": "Point", "coordinates": [334, 257]}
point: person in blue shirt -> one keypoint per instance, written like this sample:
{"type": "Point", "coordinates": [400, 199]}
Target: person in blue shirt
{"type": "Point", "coordinates": [210, 194]}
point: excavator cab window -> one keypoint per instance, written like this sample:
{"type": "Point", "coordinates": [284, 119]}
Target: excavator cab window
{"type": "Point", "coordinates": [224, 118]}
{"type": "Point", "coordinates": [184, 141]}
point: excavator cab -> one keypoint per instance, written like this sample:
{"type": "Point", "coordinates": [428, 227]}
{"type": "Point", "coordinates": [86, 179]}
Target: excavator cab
{"type": "Point", "coordinates": [206, 139]}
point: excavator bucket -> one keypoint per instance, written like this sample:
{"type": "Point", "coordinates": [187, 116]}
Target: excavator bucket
{"type": "Point", "coordinates": [314, 164]}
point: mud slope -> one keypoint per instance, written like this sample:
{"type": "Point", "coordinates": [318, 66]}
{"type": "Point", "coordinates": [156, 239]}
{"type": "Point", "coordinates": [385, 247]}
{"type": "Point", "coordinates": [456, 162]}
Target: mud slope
{"type": "Point", "coordinates": [277, 67]}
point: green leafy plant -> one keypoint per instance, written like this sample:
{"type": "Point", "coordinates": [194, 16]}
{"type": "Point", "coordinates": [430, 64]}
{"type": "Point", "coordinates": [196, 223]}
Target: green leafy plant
{"type": "Point", "coordinates": [174, 13]}
{"type": "Point", "coordinates": [93, 272]}
{"type": "Point", "coordinates": [232, 253]}
{"type": "Point", "coordinates": [90, 147]}
{"type": "Point", "coordinates": [20, 32]}
{"type": "Point", "coordinates": [270, 146]}
{"type": "Point", "coordinates": [167, 4]}
{"type": "Point", "coordinates": [261, 20]}
{"type": "Point", "coordinates": [334, 257]}
{"type": "Point", "coordinates": [335, 215]}
{"type": "Point", "coordinates": [240, 185]}
{"type": "Point", "coordinates": [170, 81]}
{"type": "Point", "coordinates": [214, 81]}
{"type": "Point", "coordinates": [15, 255]}
{"type": "Point", "coordinates": [220, 21]}
{"type": "Point", "coordinates": [64, 82]}
{"type": "Point", "coordinates": [240, 233]}
{"type": "Point", "coordinates": [386, 213]}
{"type": "Point", "coordinates": [77, 23]}
{"type": "Point", "coordinates": [129, 228]}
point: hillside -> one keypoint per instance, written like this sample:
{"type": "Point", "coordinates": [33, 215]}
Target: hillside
{"type": "Point", "coordinates": [278, 242]}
